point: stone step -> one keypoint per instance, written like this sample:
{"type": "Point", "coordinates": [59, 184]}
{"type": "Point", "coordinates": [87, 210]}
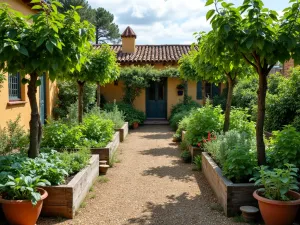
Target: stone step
{"type": "Point", "coordinates": [102, 162]}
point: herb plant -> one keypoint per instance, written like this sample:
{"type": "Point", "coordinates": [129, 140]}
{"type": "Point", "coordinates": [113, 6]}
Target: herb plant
{"type": "Point", "coordinates": [198, 162]}
{"type": "Point", "coordinates": [277, 182]}
{"type": "Point", "coordinates": [186, 156]}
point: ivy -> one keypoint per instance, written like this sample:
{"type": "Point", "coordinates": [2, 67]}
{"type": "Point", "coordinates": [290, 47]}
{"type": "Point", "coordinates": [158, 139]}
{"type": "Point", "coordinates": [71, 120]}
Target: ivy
{"type": "Point", "coordinates": [136, 78]}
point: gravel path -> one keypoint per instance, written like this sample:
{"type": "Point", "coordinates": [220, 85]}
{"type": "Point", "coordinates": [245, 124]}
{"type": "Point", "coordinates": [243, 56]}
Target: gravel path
{"type": "Point", "coordinates": [149, 186]}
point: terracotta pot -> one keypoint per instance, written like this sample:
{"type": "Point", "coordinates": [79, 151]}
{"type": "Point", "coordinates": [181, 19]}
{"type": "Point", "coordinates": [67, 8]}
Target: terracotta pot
{"type": "Point", "coordinates": [135, 125]}
{"type": "Point", "coordinates": [22, 212]}
{"type": "Point", "coordinates": [278, 212]}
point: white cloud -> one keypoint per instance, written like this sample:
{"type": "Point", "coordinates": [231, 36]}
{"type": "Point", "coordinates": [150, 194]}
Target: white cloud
{"type": "Point", "coordinates": [159, 21]}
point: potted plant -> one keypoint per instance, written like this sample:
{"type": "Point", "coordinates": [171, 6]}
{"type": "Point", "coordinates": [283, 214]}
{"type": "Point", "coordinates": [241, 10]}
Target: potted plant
{"type": "Point", "coordinates": [186, 156]}
{"type": "Point", "coordinates": [180, 88]}
{"type": "Point", "coordinates": [22, 199]}
{"type": "Point", "coordinates": [277, 202]}
{"type": "Point", "coordinates": [135, 124]}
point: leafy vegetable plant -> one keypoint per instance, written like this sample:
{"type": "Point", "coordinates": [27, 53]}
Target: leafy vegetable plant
{"type": "Point", "coordinates": [23, 188]}
{"type": "Point", "coordinates": [277, 182]}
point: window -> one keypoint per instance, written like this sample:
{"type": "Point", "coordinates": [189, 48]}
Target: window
{"type": "Point", "coordinates": [211, 90]}
{"type": "Point", "coordinates": [14, 87]}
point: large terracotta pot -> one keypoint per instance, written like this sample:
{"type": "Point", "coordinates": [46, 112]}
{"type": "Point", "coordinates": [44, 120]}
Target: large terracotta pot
{"type": "Point", "coordinates": [135, 125]}
{"type": "Point", "coordinates": [278, 212]}
{"type": "Point", "coordinates": [22, 212]}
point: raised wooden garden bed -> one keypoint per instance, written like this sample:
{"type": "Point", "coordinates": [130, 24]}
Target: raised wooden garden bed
{"type": "Point", "coordinates": [107, 152]}
{"type": "Point", "coordinates": [182, 135]}
{"type": "Point", "coordinates": [64, 200]}
{"type": "Point", "coordinates": [195, 151]}
{"type": "Point", "coordinates": [123, 131]}
{"type": "Point", "coordinates": [230, 195]}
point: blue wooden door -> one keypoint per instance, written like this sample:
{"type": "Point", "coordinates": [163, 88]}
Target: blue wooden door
{"type": "Point", "coordinates": [43, 99]}
{"type": "Point", "coordinates": [156, 99]}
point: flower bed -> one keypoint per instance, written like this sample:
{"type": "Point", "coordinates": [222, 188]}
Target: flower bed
{"type": "Point", "coordinates": [123, 131]}
{"type": "Point", "coordinates": [64, 200]}
{"type": "Point", "coordinates": [107, 152]}
{"type": "Point", "coordinates": [231, 196]}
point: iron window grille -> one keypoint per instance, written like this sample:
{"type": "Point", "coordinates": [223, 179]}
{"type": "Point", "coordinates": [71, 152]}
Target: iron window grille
{"type": "Point", "coordinates": [14, 87]}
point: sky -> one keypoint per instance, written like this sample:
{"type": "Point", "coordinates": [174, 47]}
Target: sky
{"type": "Point", "coordinates": [166, 21]}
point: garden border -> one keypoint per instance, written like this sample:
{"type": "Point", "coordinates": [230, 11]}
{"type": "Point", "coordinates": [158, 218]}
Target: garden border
{"type": "Point", "coordinates": [123, 131]}
{"type": "Point", "coordinates": [107, 152]}
{"type": "Point", "coordinates": [64, 200]}
{"type": "Point", "coordinates": [230, 195]}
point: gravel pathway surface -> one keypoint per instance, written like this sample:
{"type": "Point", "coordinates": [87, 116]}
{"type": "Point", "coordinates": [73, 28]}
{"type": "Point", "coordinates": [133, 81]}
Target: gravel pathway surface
{"type": "Point", "coordinates": [150, 185]}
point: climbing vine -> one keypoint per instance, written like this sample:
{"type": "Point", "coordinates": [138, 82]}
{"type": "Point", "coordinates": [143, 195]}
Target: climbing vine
{"type": "Point", "coordinates": [136, 78]}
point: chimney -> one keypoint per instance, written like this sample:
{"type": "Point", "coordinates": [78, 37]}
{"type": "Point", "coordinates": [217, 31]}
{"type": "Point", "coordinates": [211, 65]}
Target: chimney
{"type": "Point", "coordinates": [128, 40]}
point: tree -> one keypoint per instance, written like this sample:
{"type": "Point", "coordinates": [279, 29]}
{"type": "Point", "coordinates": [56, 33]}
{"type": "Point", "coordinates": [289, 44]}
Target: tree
{"type": "Point", "coordinates": [46, 42]}
{"type": "Point", "coordinates": [102, 68]}
{"type": "Point", "coordinates": [219, 66]}
{"type": "Point", "coordinates": [86, 12]}
{"type": "Point", "coordinates": [106, 29]}
{"type": "Point", "coordinates": [262, 39]}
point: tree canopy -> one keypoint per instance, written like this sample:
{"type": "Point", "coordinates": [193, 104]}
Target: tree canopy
{"type": "Point", "coordinates": [262, 38]}
{"type": "Point", "coordinates": [46, 42]}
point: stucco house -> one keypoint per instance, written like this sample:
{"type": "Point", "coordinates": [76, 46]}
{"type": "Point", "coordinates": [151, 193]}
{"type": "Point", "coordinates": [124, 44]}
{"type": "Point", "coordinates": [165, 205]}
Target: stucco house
{"type": "Point", "coordinates": [157, 100]}
{"type": "Point", "coordinates": [13, 94]}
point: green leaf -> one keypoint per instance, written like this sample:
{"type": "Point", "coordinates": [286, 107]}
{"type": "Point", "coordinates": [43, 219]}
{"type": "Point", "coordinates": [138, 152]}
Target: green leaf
{"type": "Point", "coordinates": [209, 2]}
{"type": "Point", "coordinates": [249, 43]}
{"type": "Point", "coordinates": [40, 42]}
{"type": "Point", "coordinates": [25, 81]}
{"type": "Point", "coordinates": [38, 83]}
{"type": "Point", "coordinates": [35, 1]}
{"type": "Point", "coordinates": [23, 50]}
{"type": "Point", "coordinates": [227, 28]}
{"type": "Point", "coordinates": [210, 13]}
{"type": "Point", "coordinates": [37, 7]}
{"type": "Point", "coordinates": [49, 46]}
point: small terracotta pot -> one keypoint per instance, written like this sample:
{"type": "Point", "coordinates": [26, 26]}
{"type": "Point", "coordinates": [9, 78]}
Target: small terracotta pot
{"type": "Point", "coordinates": [278, 212]}
{"type": "Point", "coordinates": [22, 212]}
{"type": "Point", "coordinates": [135, 125]}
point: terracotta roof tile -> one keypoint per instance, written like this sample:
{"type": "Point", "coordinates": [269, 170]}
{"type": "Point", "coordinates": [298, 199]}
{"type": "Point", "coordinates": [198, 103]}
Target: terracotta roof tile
{"type": "Point", "coordinates": [151, 53]}
{"type": "Point", "coordinates": [128, 32]}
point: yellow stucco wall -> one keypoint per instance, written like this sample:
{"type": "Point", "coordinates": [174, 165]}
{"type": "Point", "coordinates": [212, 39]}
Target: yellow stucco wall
{"type": "Point", "coordinates": [10, 112]}
{"type": "Point", "coordinates": [128, 45]}
{"type": "Point", "coordinates": [19, 6]}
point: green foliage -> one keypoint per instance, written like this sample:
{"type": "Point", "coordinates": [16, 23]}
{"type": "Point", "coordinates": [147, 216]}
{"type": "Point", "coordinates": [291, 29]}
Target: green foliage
{"type": "Point", "coordinates": [2, 79]}
{"type": "Point", "coordinates": [186, 156]}
{"type": "Point", "coordinates": [75, 161]}
{"type": "Point", "coordinates": [68, 96]}
{"type": "Point", "coordinates": [198, 162]}
{"type": "Point", "coordinates": [204, 120]}
{"type": "Point", "coordinates": [283, 102]}
{"type": "Point", "coordinates": [23, 188]}
{"type": "Point", "coordinates": [278, 182]}
{"type": "Point", "coordinates": [98, 130]}
{"type": "Point", "coordinates": [58, 134]}
{"type": "Point", "coordinates": [240, 121]}
{"type": "Point", "coordinates": [184, 145]}
{"type": "Point", "coordinates": [131, 114]}
{"type": "Point", "coordinates": [284, 147]}
{"type": "Point", "coordinates": [13, 137]}
{"type": "Point", "coordinates": [235, 153]}
{"type": "Point", "coordinates": [182, 126]}
{"type": "Point", "coordinates": [180, 110]}
{"type": "Point", "coordinates": [116, 116]}
{"type": "Point", "coordinates": [136, 78]}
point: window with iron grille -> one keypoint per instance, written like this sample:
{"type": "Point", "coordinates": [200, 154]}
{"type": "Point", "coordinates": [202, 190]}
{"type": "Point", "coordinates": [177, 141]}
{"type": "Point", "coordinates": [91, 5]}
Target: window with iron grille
{"type": "Point", "coordinates": [14, 87]}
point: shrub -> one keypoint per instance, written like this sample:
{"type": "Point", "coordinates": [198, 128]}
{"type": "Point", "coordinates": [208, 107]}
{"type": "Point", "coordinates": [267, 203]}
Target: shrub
{"type": "Point", "coordinates": [131, 114]}
{"type": "Point", "coordinates": [240, 121]}
{"type": "Point", "coordinates": [202, 121]}
{"type": "Point", "coordinates": [283, 104]}
{"type": "Point", "coordinates": [182, 126]}
{"type": "Point", "coordinates": [284, 147]}
{"type": "Point", "coordinates": [13, 137]}
{"type": "Point", "coordinates": [180, 110]}
{"type": "Point", "coordinates": [68, 95]}
{"type": "Point", "coordinates": [235, 154]}
{"type": "Point", "coordinates": [116, 116]}
{"type": "Point", "coordinates": [198, 162]}
{"type": "Point", "coordinates": [58, 134]}
{"type": "Point", "coordinates": [98, 130]}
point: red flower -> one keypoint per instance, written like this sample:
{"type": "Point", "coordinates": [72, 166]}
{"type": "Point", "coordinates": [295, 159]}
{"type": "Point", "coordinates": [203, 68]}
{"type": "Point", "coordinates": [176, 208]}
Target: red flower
{"type": "Point", "coordinates": [209, 135]}
{"type": "Point", "coordinates": [199, 144]}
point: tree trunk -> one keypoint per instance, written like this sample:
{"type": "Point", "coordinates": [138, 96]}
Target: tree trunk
{"type": "Point", "coordinates": [80, 100]}
{"type": "Point", "coordinates": [228, 103]}
{"type": "Point", "coordinates": [203, 92]}
{"type": "Point", "coordinates": [185, 95]}
{"type": "Point", "coordinates": [98, 94]}
{"type": "Point", "coordinates": [97, 35]}
{"type": "Point", "coordinates": [262, 91]}
{"type": "Point", "coordinates": [35, 121]}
